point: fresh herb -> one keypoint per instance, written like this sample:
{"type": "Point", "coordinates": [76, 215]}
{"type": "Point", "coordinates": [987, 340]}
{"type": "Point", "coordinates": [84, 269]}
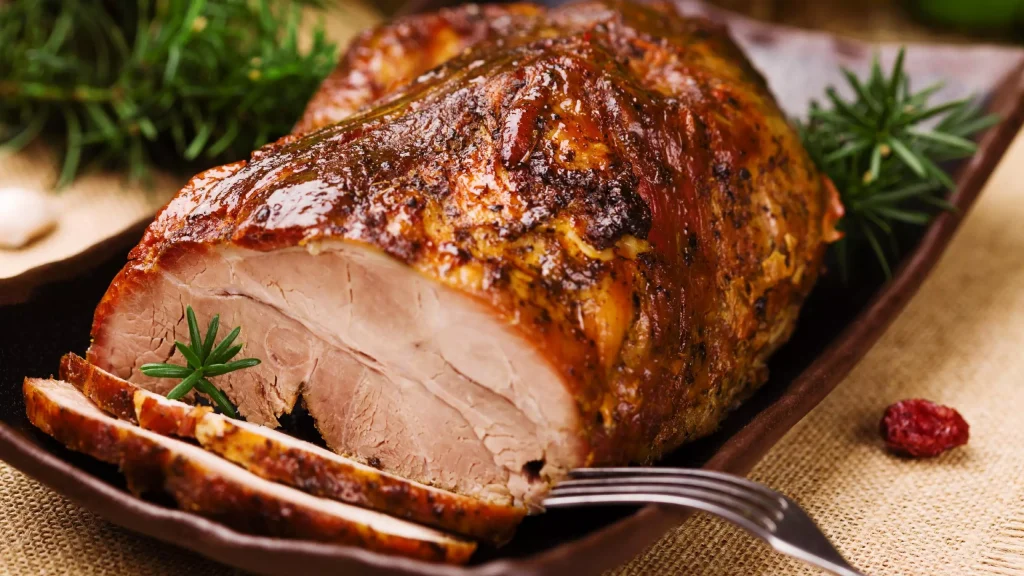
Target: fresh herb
{"type": "Point", "coordinates": [179, 84]}
{"type": "Point", "coordinates": [204, 361]}
{"type": "Point", "coordinates": [884, 150]}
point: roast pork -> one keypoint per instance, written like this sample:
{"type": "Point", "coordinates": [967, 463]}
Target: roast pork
{"type": "Point", "coordinates": [205, 484]}
{"type": "Point", "coordinates": [276, 456]}
{"type": "Point", "coordinates": [523, 242]}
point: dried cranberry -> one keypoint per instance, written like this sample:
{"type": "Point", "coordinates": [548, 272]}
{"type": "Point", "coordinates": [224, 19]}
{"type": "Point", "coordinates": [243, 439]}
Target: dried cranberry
{"type": "Point", "coordinates": [922, 429]}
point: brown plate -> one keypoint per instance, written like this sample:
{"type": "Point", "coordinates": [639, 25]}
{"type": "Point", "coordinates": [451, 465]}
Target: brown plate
{"type": "Point", "coordinates": [838, 325]}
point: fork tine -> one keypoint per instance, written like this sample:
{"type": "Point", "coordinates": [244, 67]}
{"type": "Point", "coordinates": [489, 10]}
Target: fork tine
{"type": "Point", "coordinates": [675, 497]}
{"type": "Point", "coordinates": [678, 472]}
{"type": "Point", "coordinates": [737, 505]}
{"type": "Point", "coordinates": [769, 506]}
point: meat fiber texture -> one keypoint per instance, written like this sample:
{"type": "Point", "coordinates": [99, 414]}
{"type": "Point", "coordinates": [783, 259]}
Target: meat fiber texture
{"type": "Point", "coordinates": [281, 458]}
{"type": "Point", "coordinates": [503, 243]}
{"type": "Point", "coordinates": [202, 483]}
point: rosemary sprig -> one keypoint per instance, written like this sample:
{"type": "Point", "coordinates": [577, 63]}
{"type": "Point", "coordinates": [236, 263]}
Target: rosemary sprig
{"type": "Point", "coordinates": [180, 84]}
{"type": "Point", "coordinates": [884, 150]}
{"type": "Point", "coordinates": [203, 361]}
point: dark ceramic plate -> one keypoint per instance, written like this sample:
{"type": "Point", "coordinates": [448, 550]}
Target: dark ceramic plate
{"type": "Point", "coordinates": [838, 325]}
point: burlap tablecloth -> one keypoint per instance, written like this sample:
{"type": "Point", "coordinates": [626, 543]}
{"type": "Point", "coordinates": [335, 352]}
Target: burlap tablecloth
{"type": "Point", "coordinates": [960, 342]}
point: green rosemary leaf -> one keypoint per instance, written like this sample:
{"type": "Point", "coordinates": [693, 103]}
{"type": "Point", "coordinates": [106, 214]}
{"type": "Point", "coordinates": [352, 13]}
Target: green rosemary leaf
{"type": "Point", "coordinates": [844, 110]}
{"type": "Point", "coordinates": [919, 218]}
{"type": "Point", "coordinates": [244, 363]}
{"type": "Point", "coordinates": [919, 99]}
{"type": "Point", "coordinates": [875, 219]}
{"type": "Point", "coordinates": [219, 369]}
{"type": "Point", "coordinates": [930, 113]}
{"type": "Point", "coordinates": [894, 196]}
{"type": "Point", "coordinates": [165, 371]}
{"type": "Point", "coordinates": [27, 134]}
{"type": "Point", "coordinates": [848, 149]}
{"type": "Point", "coordinates": [861, 91]}
{"type": "Point", "coordinates": [946, 139]}
{"type": "Point", "coordinates": [940, 203]}
{"type": "Point", "coordinates": [869, 234]}
{"type": "Point", "coordinates": [970, 127]}
{"type": "Point", "coordinates": [876, 164]}
{"type": "Point", "coordinates": [211, 336]}
{"type": "Point", "coordinates": [218, 397]}
{"type": "Point", "coordinates": [99, 116]}
{"type": "Point", "coordinates": [73, 153]}
{"type": "Point", "coordinates": [223, 351]}
{"type": "Point", "coordinates": [195, 340]}
{"type": "Point", "coordinates": [196, 147]}
{"type": "Point", "coordinates": [185, 386]}
{"type": "Point", "coordinates": [225, 140]}
{"type": "Point", "coordinates": [937, 173]}
{"type": "Point", "coordinates": [227, 355]}
{"type": "Point", "coordinates": [908, 157]}
{"type": "Point", "coordinates": [193, 360]}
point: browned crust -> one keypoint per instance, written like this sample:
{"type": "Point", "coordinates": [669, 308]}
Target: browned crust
{"type": "Point", "coordinates": [111, 394]}
{"type": "Point", "coordinates": [611, 178]}
{"type": "Point", "coordinates": [155, 463]}
{"type": "Point", "coordinates": [356, 484]}
{"type": "Point", "coordinates": [119, 397]}
{"type": "Point", "coordinates": [380, 60]}
{"type": "Point", "coordinates": [305, 469]}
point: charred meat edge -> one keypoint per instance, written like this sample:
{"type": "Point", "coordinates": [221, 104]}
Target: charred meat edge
{"type": "Point", "coordinates": [276, 456]}
{"type": "Point", "coordinates": [202, 483]}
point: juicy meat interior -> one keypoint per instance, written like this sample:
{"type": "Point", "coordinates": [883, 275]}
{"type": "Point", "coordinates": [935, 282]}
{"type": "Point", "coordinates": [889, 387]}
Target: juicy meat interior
{"type": "Point", "coordinates": [502, 243]}
{"type": "Point", "coordinates": [396, 370]}
{"type": "Point", "coordinates": [208, 485]}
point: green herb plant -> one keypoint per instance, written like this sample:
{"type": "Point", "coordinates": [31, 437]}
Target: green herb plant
{"type": "Point", "coordinates": [179, 84]}
{"type": "Point", "coordinates": [883, 151]}
{"type": "Point", "coordinates": [203, 361]}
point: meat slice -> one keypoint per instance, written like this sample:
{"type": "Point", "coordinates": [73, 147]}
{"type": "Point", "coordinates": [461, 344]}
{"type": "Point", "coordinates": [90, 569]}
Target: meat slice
{"type": "Point", "coordinates": [282, 458]}
{"type": "Point", "coordinates": [205, 484]}
{"type": "Point", "coordinates": [575, 243]}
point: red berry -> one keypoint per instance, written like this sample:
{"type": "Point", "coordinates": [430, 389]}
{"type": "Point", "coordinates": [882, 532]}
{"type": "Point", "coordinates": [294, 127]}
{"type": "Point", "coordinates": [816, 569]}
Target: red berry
{"type": "Point", "coordinates": [923, 429]}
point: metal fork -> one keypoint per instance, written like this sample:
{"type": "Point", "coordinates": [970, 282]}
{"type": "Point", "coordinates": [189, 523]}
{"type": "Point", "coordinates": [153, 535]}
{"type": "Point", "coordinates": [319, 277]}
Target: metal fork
{"type": "Point", "coordinates": [758, 509]}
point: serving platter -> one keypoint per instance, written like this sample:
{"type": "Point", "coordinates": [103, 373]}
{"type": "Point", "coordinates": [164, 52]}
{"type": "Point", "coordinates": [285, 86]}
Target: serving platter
{"type": "Point", "coordinates": [838, 325]}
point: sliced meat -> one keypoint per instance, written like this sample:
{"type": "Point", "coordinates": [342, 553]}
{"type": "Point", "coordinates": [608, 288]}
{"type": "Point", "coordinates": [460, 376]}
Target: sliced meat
{"type": "Point", "coordinates": [201, 482]}
{"type": "Point", "coordinates": [575, 243]}
{"type": "Point", "coordinates": [282, 458]}
{"type": "Point", "coordinates": [123, 399]}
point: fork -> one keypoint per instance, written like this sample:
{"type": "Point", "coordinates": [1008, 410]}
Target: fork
{"type": "Point", "coordinates": [754, 507]}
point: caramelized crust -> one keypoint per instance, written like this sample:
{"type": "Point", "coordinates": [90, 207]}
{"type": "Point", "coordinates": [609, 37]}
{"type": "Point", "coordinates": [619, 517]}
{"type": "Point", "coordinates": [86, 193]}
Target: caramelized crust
{"type": "Point", "coordinates": [384, 59]}
{"type": "Point", "coordinates": [277, 457]}
{"type": "Point", "coordinates": [207, 485]}
{"type": "Point", "coordinates": [323, 473]}
{"type": "Point", "coordinates": [613, 180]}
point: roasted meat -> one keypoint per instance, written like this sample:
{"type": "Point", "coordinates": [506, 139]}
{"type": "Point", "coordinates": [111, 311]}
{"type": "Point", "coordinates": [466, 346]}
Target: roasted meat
{"type": "Point", "coordinates": [205, 484]}
{"type": "Point", "coordinates": [276, 456]}
{"type": "Point", "coordinates": [573, 242]}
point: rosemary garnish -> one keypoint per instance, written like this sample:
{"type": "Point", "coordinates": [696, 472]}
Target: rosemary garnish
{"type": "Point", "coordinates": [884, 150]}
{"type": "Point", "coordinates": [179, 84]}
{"type": "Point", "coordinates": [204, 361]}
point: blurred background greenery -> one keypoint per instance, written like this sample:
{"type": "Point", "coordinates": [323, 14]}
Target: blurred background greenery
{"type": "Point", "coordinates": [940, 20]}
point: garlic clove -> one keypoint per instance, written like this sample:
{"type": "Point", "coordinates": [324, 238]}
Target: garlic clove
{"type": "Point", "coordinates": [25, 215]}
